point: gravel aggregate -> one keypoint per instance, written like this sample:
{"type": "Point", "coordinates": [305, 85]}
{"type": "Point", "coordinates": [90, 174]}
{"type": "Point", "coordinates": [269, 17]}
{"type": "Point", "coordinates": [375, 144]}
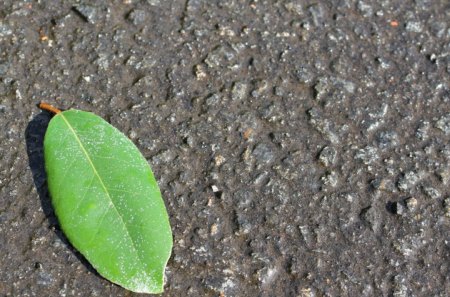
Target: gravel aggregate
{"type": "Point", "coordinates": [302, 147]}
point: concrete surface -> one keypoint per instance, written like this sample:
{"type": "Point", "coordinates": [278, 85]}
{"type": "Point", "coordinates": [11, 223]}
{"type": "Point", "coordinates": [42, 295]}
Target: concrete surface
{"type": "Point", "coordinates": [302, 147]}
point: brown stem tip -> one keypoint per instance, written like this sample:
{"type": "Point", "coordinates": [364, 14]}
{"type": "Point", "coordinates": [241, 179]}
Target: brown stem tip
{"type": "Point", "coordinates": [48, 107]}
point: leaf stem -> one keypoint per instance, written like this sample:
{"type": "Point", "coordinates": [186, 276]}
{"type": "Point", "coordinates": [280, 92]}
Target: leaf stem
{"type": "Point", "coordinates": [48, 107]}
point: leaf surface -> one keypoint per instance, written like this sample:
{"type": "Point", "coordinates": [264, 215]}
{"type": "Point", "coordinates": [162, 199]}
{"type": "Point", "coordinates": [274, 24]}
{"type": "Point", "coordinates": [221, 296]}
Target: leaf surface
{"type": "Point", "coordinates": [107, 200]}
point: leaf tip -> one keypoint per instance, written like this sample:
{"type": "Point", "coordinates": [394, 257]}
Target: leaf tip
{"type": "Point", "coordinates": [145, 282]}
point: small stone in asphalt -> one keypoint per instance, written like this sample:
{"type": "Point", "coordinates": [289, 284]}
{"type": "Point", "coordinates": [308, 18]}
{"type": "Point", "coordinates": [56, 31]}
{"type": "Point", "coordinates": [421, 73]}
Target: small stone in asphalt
{"type": "Point", "coordinates": [137, 17]}
{"type": "Point", "coordinates": [330, 179]}
{"type": "Point", "coordinates": [88, 12]}
{"type": "Point", "coordinates": [408, 180]}
{"type": "Point", "coordinates": [411, 203]}
{"type": "Point", "coordinates": [447, 206]}
{"type": "Point", "coordinates": [367, 155]}
{"type": "Point", "coordinates": [263, 153]}
{"type": "Point", "coordinates": [443, 124]}
{"type": "Point", "coordinates": [327, 156]}
{"type": "Point", "coordinates": [239, 91]}
{"type": "Point", "coordinates": [372, 217]}
{"type": "Point", "coordinates": [431, 192]}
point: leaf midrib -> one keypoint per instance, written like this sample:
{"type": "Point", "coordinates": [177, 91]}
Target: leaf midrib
{"type": "Point", "coordinates": [102, 184]}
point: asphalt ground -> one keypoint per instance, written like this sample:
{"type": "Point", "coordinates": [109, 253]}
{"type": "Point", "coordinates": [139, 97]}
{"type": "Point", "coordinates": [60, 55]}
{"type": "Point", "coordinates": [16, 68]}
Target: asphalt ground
{"type": "Point", "coordinates": [302, 147]}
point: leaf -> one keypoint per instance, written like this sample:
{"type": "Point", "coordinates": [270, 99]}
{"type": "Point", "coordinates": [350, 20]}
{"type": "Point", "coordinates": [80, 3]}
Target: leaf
{"type": "Point", "coordinates": [107, 200]}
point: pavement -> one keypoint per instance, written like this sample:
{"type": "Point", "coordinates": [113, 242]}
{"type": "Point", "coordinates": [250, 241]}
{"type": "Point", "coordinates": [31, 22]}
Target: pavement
{"type": "Point", "coordinates": [302, 147]}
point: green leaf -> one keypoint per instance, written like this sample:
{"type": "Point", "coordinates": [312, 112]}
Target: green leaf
{"type": "Point", "coordinates": [107, 200]}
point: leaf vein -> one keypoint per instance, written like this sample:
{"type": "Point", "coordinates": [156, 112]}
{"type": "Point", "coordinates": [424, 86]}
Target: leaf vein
{"type": "Point", "coordinates": [100, 222]}
{"type": "Point", "coordinates": [84, 195]}
{"type": "Point", "coordinates": [65, 174]}
{"type": "Point", "coordinates": [133, 244]}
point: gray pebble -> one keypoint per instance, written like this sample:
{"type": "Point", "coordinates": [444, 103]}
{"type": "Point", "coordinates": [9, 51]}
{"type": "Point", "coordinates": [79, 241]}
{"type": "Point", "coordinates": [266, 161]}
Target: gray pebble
{"type": "Point", "coordinates": [263, 153]}
{"type": "Point", "coordinates": [243, 198]}
{"type": "Point", "coordinates": [384, 63]}
{"type": "Point", "coordinates": [3, 68]}
{"type": "Point", "coordinates": [365, 9]}
{"type": "Point", "coordinates": [219, 57]}
{"type": "Point", "coordinates": [400, 289]}
{"type": "Point", "coordinates": [415, 27]}
{"type": "Point", "coordinates": [294, 7]}
{"type": "Point", "coordinates": [89, 12]}
{"type": "Point", "coordinates": [438, 28]}
{"type": "Point", "coordinates": [346, 85]}
{"type": "Point", "coordinates": [447, 207]}
{"type": "Point", "coordinates": [260, 178]}
{"type": "Point", "coordinates": [213, 100]}
{"type": "Point", "coordinates": [239, 91]}
{"type": "Point", "coordinates": [155, 2]}
{"type": "Point", "coordinates": [103, 61]}
{"type": "Point", "coordinates": [399, 208]}
{"type": "Point", "coordinates": [267, 275]}
{"type": "Point", "coordinates": [272, 112]}
{"type": "Point", "coordinates": [330, 179]}
{"type": "Point", "coordinates": [431, 192]}
{"type": "Point", "coordinates": [445, 152]}
{"type": "Point", "coordinates": [322, 125]}
{"type": "Point", "coordinates": [5, 30]}
{"type": "Point", "coordinates": [423, 130]}
{"type": "Point", "coordinates": [45, 278]}
{"type": "Point", "coordinates": [279, 91]}
{"type": "Point", "coordinates": [318, 14]}
{"type": "Point", "coordinates": [408, 181]}
{"type": "Point", "coordinates": [137, 16]}
{"type": "Point", "coordinates": [443, 124]}
{"type": "Point", "coordinates": [387, 139]}
{"type": "Point", "coordinates": [411, 203]}
{"type": "Point", "coordinates": [372, 217]}
{"type": "Point", "coordinates": [200, 71]}
{"type": "Point", "coordinates": [322, 87]}
{"type": "Point", "coordinates": [367, 155]}
{"type": "Point", "coordinates": [259, 88]}
{"type": "Point", "coordinates": [243, 223]}
{"type": "Point", "coordinates": [444, 175]}
{"type": "Point", "coordinates": [304, 74]}
{"type": "Point", "coordinates": [328, 156]}
{"type": "Point", "coordinates": [163, 157]}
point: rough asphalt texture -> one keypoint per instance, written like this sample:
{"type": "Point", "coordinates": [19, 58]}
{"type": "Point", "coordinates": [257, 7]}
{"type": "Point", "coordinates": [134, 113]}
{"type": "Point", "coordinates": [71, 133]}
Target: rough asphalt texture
{"type": "Point", "coordinates": [302, 147]}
